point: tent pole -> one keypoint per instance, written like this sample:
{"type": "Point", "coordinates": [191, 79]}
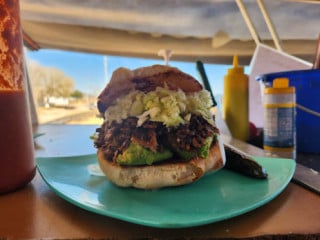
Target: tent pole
{"type": "Point", "coordinates": [270, 25]}
{"type": "Point", "coordinates": [248, 21]}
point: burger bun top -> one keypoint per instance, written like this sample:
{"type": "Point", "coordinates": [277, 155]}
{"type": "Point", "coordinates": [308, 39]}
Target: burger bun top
{"type": "Point", "coordinates": [145, 79]}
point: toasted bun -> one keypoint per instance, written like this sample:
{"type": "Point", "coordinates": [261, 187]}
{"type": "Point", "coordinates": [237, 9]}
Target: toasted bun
{"type": "Point", "coordinates": [146, 79]}
{"type": "Point", "coordinates": [163, 175]}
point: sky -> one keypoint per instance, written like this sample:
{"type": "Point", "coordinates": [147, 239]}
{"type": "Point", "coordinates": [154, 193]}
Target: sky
{"type": "Point", "coordinates": [91, 72]}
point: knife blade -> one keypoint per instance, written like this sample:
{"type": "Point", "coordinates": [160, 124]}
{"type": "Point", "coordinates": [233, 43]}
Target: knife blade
{"type": "Point", "coordinates": [240, 162]}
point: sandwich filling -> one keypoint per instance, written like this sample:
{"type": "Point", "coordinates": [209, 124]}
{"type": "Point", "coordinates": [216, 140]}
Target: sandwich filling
{"type": "Point", "coordinates": [144, 128]}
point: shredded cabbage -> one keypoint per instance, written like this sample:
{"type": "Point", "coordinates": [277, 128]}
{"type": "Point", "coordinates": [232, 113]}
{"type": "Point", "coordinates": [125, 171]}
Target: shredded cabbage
{"type": "Point", "coordinates": [162, 105]}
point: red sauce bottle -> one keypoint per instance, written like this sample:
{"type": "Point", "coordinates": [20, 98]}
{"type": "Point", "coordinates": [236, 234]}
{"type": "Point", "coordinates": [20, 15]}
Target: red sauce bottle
{"type": "Point", "coordinates": [17, 165]}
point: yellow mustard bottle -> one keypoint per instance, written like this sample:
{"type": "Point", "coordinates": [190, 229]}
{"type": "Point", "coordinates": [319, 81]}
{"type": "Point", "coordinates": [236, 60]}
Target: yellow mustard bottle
{"type": "Point", "coordinates": [235, 104]}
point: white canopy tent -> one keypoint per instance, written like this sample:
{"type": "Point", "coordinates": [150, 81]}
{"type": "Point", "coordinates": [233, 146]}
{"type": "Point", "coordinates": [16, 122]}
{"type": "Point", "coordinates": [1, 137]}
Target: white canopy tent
{"type": "Point", "coordinates": [208, 30]}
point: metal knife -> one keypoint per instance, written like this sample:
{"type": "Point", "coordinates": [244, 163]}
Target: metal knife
{"type": "Point", "coordinates": [241, 162]}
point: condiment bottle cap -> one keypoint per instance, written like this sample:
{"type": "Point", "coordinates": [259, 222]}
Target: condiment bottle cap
{"type": "Point", "coordinates": [236, 68]}
{"type": "Point", "coordinates": [280, 85]}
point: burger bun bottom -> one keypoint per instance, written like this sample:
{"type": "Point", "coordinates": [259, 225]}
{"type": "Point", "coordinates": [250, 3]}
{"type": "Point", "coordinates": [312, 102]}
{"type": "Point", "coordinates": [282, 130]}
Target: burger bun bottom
{"type": "Point", "coordinates": [165, 174]}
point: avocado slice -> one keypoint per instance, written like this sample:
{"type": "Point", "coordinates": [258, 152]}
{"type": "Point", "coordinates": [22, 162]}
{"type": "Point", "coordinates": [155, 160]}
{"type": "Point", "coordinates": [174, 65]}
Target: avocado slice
{"type": "Point", "coordinates": [203, 152]}
{"type": "Point", "coordinates": [135, 154]}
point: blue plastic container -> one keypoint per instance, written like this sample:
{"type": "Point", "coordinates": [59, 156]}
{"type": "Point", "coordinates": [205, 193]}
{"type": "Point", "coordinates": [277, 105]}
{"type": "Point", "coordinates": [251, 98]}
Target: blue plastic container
{"type": "Point", "coordinates": [307, 84]}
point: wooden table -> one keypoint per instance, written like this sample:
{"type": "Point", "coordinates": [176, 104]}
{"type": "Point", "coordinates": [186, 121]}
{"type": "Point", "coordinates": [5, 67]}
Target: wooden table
{"type": "Point", "coordinates": [36, 212]}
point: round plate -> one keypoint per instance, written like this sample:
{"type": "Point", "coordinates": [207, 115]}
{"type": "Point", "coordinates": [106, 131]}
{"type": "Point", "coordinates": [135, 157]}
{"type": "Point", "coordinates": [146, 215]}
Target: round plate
{"type": "Point", "coordinates": [215, 197]}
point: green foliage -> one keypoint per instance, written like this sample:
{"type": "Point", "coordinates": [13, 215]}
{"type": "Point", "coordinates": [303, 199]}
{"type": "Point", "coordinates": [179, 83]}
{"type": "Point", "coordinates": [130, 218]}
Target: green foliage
{"type": "Point", "coordinates": [77, 94]}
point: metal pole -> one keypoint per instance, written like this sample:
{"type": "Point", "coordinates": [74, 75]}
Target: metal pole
{"type": "Point", "coordinates": [248, 21]}
{"type": "Point", "coordinates": [270, 25]}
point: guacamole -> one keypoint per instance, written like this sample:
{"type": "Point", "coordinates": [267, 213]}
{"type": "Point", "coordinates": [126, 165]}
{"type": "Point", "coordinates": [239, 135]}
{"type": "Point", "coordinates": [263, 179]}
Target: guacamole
{"type": "Point", "coordinates": [135, 154]}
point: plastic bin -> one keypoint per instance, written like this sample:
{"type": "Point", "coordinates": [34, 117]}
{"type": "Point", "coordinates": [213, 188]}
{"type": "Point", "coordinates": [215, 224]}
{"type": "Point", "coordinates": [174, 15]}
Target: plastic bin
{"type": "Point", "coordinates": [307, 84]}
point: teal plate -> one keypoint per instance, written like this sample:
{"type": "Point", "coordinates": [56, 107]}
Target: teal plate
{"type": "Point", "coordinates": [213, 198]}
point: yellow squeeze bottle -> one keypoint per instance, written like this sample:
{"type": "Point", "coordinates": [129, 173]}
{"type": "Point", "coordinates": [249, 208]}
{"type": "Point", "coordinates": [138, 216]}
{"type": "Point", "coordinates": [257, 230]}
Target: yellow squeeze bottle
{"type": "Point", "coordinates": [235, 104]}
